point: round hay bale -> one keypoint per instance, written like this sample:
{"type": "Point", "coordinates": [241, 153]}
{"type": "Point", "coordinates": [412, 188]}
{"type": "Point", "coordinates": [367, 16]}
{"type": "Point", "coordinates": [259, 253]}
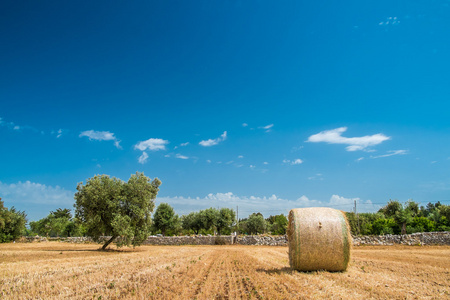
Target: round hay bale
{"type": "Point", "coordinates": [319, 239]}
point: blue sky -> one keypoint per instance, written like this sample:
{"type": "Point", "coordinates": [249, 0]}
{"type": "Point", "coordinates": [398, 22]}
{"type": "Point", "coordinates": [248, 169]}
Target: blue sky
{"type": "Point", "coordinates": [258, 104]}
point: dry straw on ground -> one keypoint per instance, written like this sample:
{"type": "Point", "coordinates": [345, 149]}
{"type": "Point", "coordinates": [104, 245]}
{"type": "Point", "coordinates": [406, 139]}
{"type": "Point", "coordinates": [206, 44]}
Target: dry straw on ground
{"type": "Point", "coordinates": [319, 239]}
{"type": "Point", "coordinates": [78, 271]}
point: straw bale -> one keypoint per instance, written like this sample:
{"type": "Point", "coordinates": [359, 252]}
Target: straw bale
{"type": "Point", "coordinates": [319, 239]}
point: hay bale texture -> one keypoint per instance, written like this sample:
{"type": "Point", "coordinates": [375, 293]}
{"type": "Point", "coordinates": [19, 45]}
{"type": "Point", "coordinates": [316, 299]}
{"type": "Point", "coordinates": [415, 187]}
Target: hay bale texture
{"type": "Point", "coordinates": [319, 239]}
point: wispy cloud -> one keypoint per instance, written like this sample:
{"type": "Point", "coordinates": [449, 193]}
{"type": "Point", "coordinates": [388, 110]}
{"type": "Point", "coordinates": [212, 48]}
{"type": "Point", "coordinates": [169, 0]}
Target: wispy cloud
{"type": "Point", "coordinates": [101, 136]}
{"type": "Point", "coordinates": [181, 156]}
{"type": "Point", "coordinates": [267, 128]}
{"type": "Point", "coordinates": [213, 142]}
{"type": "Point", "coordinates": [59, 133]}
{"type": "Point", "coordinates": [15, 127]}
{"type": "Point", "coordinates": [152, 145]}
{"type": "Point", "coordinates": [390, 21]}
{"type": "Point", "coordinates": [391, 153]}
{"type": "Point", "coordinates": [334, 136]}
{"type": "Point", "coordinates": [318, 176]}
{"type": "Point", "coordinates": [297, 161]}
{"type": "Point", "coordinates": [143, 158]}
{"type": "Point", "coordinates": [244, 124]}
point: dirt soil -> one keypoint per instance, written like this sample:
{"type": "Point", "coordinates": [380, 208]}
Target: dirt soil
{"type": "Point", "coordinates": [57, 270]}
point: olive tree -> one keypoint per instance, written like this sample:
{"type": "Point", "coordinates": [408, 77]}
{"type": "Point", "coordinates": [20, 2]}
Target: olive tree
{"type": "Point", "coordinates": [111, 207]}
{"type": "Point", "coordinates": [164, 218]}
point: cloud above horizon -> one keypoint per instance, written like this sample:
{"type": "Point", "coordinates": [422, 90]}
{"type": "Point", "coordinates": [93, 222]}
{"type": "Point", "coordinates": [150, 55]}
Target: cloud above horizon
{"type": "Point", "coordinates": [31, 192]}
{"type": "Point", "coordinates": [213, 142]}
{"type": "Point", "coordinates": [334, 136]}
{"type": "Point", "coordinates": [101, 136]}
{"type": "Point", "coordinates": [250, 204]}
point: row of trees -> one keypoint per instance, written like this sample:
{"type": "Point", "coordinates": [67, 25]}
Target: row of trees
{"type": "Point", "coordinates": [394, 218]}
{"type": "Point", "coordinates": [106, 206]}
{"type": "Point", "coordinates": [398, 218]}
{"type": "Point", "coordinates": [214, 221]}
{"type": "Point", "coordinates": [165, 221]}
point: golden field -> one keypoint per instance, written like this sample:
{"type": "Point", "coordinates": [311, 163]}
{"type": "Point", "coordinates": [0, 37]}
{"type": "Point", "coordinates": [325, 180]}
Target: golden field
{"type": "Point", "coordinates": [55, 270]}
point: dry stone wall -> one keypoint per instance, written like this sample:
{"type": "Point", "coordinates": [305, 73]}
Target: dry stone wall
{"type": "Point", "coordinates": [422, 238]}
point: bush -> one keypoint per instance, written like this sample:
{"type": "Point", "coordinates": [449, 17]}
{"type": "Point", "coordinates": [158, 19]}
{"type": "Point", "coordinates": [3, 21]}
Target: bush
{"type": "Point", "coordinates": [12, 223]}
{"type": "Point", "coordinates": [384, 226]}
{"type": "Point", "coordinates": [423, 224]}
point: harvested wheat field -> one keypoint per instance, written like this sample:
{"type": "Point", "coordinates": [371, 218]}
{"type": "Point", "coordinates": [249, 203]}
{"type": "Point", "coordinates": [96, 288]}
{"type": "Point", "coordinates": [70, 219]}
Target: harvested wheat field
{"type": "Point", "coordinates": [57, 270]}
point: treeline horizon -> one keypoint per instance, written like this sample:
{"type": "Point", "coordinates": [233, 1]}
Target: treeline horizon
{"type": "Point", "coordinates": [393, 218]}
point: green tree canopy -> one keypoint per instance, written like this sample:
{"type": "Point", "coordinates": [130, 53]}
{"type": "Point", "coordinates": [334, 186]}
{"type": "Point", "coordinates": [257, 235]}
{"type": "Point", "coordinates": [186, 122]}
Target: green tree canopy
{"type": "Point", "coordinates": [225, 220]}
{"type": "Point", "coordinates": [277, 224]}
{"type": "Point", "coordinates": [164, 218]}
{"type": "Point", "coordinates": [110, 206]}
{"type": "Point", "coordinates": [12, 223]}
{"type": "Point", "coordinates": [58, 223]}
{"type": "Point", "coordinates": [391, 208]}
{"type": "Point", "coordinates": [402, 214]}
{"type": "Point", "coordinates": [256, 224]}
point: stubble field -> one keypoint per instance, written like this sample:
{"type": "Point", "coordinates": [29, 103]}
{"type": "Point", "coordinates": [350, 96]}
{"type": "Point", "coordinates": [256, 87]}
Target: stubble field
{"type": "Point", "coordinates": [57, 270]}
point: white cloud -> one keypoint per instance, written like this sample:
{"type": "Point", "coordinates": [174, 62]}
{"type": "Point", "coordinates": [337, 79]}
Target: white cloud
{"type": "Point", "coordinates": [348, 204]}
{"type": "Point", "coordinates": [265, 163]}
{"type": "Point", "coordinates": [334, 136]}
{"type": "Point", "coordinates": [244, 124]}
{"type": "Point", "coordinates": [30, 192]}
{"type": "Point", "coordinates": [152, 145]}
{"type": "Point", "coordinates": [184, 144]}
{"type": "Point", "coordinates": [360, 159]}
{"type": "Point", "coordinates": [208, 161]}
{"type": "Point", "coordinates": [252, 167]}
{"type": "Point", "coordinates": [240, 156]}
{"type": "Point", "coordinates": [272, 205]}
{"type": "Point", "coordinates": [143, 158]}
{"type": "Point", "coordinates": [213, 142]}
{"type": "Point", "coordinates": [297, 161]}
{"type": "Point", "coordinates": [318, 176]}
{"type": "Point", "coordinates": [267, 128]}
{"type": "Point", "coordinates": [181, 156]}
{"type": "Point", "coordinates": [390, 21]}
{"type": "Point", "coordinates": [101, 136]}
{"type": "Point", "coordinates": [391, 153]}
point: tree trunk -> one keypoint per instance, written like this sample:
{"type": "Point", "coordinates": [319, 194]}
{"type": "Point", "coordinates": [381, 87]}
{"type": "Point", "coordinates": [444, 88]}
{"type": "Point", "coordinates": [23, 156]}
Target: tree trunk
{"type": "Point", "coordinates": [108, 242]}
{"type": "Point", "coordinates": [404, 228]}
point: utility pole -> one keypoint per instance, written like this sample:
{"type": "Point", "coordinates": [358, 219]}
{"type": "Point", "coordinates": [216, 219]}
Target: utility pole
{"type": "Point", "coordinates": [357, 218]}
{"type": "Point", "coordinates": [237, 216]}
